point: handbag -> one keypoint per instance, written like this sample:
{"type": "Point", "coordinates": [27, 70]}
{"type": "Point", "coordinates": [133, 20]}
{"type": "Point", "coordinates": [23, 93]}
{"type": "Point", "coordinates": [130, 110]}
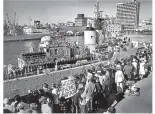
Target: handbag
{"type": "Point", "coordinates": [119, 90]}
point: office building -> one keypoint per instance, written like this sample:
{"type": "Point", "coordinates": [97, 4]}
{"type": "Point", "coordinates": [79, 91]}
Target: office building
{"type": "Point", "coordinates": [80, 20]}
{"type": "Point", "coordinates": [128, 15]}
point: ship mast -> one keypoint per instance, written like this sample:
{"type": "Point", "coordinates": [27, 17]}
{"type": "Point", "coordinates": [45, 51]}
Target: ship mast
{"type": "Point", "coordinates": [98, 13]}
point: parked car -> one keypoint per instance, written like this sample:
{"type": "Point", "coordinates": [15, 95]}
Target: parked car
{"type": "Point", "coordinates": [66, 66]}
{"type": "Point", "coordinates": [82, 62]}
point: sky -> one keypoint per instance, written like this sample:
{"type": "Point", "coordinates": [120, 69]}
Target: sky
{"type": "Point", "coordinates": [54, 11]}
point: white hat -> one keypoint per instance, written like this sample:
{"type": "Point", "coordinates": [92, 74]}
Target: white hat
{"type": "Point", "coordinates": [29, 91]}
{"type": "Point", "coordinates": [134, 60]}
{"type": "Point", "coordinates": [89, 74]}
{"type": "Point", "coordinates": [99, 71]}
{"type": "Point", "coordinates": [118, 67]}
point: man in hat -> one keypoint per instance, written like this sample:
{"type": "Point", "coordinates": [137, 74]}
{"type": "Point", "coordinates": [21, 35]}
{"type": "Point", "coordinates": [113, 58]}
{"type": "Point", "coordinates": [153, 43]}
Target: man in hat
{"type": "Point", "coordinates": [30, 98]}
{"type": "Point", "coordinates": [55, 96]}
{"type": "Point", "coordinates": [90, 90]}
{"type": "Point", "coordinates": [101, 75]}
{"type": "Point", "coordinates": [128, 70]}
{"type": "Point", "coordinates": [48, 93]}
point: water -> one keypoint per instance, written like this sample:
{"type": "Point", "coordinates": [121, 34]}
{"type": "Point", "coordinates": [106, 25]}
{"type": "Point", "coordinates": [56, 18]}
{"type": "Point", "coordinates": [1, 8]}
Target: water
{"type": "Point", "coordinates": [14, 48]}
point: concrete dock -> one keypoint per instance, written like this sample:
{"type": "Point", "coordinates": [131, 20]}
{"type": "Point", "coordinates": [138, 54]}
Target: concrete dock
{"type": "Point", "coordinates": [138, 104]}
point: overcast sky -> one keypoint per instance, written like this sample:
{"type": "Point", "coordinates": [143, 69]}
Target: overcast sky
{"type": "Point", "coordinates": [65, 10]}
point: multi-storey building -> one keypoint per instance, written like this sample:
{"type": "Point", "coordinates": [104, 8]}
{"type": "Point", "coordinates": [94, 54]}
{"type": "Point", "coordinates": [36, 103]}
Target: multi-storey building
{"type": "Point", "coordinates": [80, 20]}
{"type": "Point", "coordinates": [114, 28]}
{"type": "Point", "coordinates": [128, 15]}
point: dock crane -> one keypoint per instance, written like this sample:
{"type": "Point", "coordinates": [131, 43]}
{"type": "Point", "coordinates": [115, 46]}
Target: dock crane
{"type": "Point", "coordinates": [12, 25]}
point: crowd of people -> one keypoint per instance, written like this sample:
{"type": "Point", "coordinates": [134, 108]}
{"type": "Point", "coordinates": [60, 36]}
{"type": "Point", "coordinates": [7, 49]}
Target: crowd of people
{"type": "Point", "coordinates": [91, 91]}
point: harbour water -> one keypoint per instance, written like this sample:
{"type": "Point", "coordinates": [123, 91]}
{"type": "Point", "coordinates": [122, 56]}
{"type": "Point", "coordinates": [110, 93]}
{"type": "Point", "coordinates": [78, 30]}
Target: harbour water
{"type": "Point", "coordinates": [12, 49]}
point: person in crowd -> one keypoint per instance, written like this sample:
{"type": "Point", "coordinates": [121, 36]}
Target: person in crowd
{"type": "Point", "coordinates": [55, 96]}
{"type": "Point", "coordinates": [101, 75]}
{"type": "Point", "coordinates": [63, 105]}
{"type": "Point", "coordinates": [150, 63]}
{"type": "Point", "coordinates": [90, 90]}
{"type": "Point", "coordinates": [76, 98]}
{"type": "Point", "coordinates": [128, 70]}
{"type": "Point", "coordinates": [34, 108]}
{"type": "Point", "coordinates": [20, 108]}
{"type": "Point", "coordinates": [48, 92]}
{"type": "Point", "coordinates": [98, 97]}
{"type": "Point", "coordinates": [8, 106]}
{"type": "Point", "coordinates": [45, 87]}
{"type": "Point", "coordinates": [146, 68]}
{"type": "Point", "coordinates": [135, 64]}
{"type": "Point", "coordinates": [89, 76]}
{"type": "Point", "coordinates": [30, 97]}
{"type": "Point", "coordinates": [122, 63]}
{"type": "Point", "coordinates": [45, 105]}
{"type": "Point", "coordinates": [142, 69]}
{"type": "Point", "coordinates": [83, 80]}
{"type": "Point", "coordinates": [119, 77]}
{"type": "Point", "coordinates": [83, 102]}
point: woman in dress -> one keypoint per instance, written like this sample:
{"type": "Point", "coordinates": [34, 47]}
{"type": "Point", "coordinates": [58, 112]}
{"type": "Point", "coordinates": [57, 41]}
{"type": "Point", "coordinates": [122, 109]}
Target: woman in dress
{"type": "Point", "coordinates": [119, 77]}
{"type": "Point", "coordinates": [142, 68]}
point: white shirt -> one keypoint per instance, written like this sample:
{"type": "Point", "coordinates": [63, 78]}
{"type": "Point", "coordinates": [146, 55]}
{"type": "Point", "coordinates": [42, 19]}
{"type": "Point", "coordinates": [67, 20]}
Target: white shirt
{"type": "Point", "coordinates": [119, 76]}
{"type": "Point", "coordinates": [134, 64]}
{"type": "Point", "coordinates": [45, 108]}
{"type": "Point", "coordinates": [55, 91]}
{"type": "Point", "coordinates": [142, 70]}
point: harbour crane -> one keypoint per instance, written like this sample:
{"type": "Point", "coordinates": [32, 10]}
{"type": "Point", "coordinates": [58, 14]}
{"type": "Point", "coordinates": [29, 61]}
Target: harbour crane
{"type": "Point", "coordinates": [12, 25]}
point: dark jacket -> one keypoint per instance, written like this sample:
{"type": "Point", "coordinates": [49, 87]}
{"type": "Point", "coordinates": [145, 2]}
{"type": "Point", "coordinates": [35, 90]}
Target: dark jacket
{"type": "Point", "coordinates": [98, 87]}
